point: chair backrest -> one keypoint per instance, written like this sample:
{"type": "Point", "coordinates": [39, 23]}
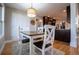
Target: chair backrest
{"type": "Point", "coordinates": [49, 35]}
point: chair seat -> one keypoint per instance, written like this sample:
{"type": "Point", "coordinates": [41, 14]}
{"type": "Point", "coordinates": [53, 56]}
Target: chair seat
{"type": "Point", "coordinates": [38, 38]}
{"type": "Point", "coordinates": [25, 40]}
{"type": "Point", "coordinates": [40, 44]}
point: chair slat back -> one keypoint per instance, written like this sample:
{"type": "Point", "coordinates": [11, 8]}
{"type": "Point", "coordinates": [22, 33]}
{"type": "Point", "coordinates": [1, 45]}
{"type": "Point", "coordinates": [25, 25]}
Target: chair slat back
{"type": "Point", "coordinates": [49, 35]}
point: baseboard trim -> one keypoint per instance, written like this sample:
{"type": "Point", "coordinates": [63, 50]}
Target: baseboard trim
{"type": "Point", "coordinates": [13, 39]}
{"type": "Point", "coordinates": [2, 48]}
{"type": "Point", "coordinates": [4, 45]}
{"type": "Point", "coordinates": [10, 41]}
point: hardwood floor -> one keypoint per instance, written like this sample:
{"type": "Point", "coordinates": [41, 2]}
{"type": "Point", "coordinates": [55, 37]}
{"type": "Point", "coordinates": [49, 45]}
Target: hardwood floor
{"type": "Point", "coordinates": [57, 44]}
{"type": "Point", "coordinates": [7, 49]}
{"type": "Point", "coordinates": [65, 48]}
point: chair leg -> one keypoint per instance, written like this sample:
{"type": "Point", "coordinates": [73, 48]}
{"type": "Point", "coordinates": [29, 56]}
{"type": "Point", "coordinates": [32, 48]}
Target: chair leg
{"type": "Point", "coordinates": [51, 51]}
{"type": "Point", "coordinates": [33, 49]}
{"type": "Point", "coordinates": [20, 45]}
{"type": "Point", "coordinates": [43, 52]}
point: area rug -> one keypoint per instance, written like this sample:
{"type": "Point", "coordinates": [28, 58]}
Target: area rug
{"type": "Point", "coordinates": [23, 49]}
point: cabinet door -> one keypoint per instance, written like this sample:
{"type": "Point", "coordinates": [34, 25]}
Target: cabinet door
{"type": "Point", "coordinates": [68, 14]}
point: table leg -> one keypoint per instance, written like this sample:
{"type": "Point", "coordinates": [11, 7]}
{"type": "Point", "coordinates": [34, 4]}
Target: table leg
{"type": "Point", "coordinates": [31, 46]}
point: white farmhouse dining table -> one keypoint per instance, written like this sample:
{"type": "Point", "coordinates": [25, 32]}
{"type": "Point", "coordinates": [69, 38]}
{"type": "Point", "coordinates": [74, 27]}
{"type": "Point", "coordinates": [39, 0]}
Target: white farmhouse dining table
{"type": "Point", "coordinates": [31, 35]}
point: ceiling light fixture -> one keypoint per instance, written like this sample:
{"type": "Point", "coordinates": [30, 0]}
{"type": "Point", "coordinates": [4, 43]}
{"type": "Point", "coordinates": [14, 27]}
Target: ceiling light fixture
{"type": "Point", "coordinates": [64, 11]}
{"type": "Point", "coordinates": [31, 12]}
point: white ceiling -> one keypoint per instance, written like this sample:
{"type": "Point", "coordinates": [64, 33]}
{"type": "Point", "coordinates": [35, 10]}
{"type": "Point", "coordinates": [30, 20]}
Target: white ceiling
{"type": "Point", "coordinates": [43, 9]}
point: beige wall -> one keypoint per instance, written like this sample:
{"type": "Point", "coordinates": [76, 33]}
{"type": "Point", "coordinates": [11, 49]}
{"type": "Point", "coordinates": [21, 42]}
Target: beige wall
{"type": "Point", "coordinates": [13, 19]}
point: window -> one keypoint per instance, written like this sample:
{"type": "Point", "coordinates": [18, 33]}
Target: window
{"type": "Point", "coordinates": [1, 21]}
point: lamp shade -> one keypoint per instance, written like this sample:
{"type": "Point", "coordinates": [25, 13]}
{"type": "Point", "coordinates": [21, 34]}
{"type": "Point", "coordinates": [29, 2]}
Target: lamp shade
{"type": "Point", "coordinates": [31, 12]}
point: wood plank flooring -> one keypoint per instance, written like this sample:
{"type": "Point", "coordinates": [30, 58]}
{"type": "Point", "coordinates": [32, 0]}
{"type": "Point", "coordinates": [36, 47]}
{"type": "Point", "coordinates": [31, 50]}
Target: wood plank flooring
{"type": "Point", "coordinates": [7, 49]}
{"type": "Point", "coordinates": [65, 48]}
{"type": "Point", "coordinates": [57, 44]}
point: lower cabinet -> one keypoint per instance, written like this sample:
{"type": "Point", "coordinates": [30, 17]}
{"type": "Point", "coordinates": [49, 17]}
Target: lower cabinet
{"type": "Point", "coordinates": [62, 35]}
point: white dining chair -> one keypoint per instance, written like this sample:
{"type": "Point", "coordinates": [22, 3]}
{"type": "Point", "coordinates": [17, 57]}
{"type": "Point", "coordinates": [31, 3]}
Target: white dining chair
{"type": "Point", "coordinates": [48, 40]}
{"type": "Point", "coordinates": [23, 40]}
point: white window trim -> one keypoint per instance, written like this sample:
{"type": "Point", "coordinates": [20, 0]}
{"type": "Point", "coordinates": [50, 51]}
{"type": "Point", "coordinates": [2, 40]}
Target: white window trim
{"type": "Point", "coordinates": [3, 10]}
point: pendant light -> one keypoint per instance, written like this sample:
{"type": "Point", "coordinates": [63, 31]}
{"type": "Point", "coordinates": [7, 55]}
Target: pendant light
{"type": "Point", "coordinates": [31, 12]}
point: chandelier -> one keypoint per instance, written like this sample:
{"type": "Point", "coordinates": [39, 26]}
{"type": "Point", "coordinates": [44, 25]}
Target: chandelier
{"type": "Point", "coordinates": [31, 12]}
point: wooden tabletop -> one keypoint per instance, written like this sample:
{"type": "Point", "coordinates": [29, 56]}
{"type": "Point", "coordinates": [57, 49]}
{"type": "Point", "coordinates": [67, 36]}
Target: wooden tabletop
{"type": "Point", "coordinates": [31, 33]}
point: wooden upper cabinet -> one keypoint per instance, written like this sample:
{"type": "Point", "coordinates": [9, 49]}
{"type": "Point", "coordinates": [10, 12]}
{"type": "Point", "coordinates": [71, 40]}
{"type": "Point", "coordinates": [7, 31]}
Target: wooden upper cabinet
{"type": "Point", "coordinates": [68, 13]}
{"type": "Point", "coordinates": [0, 5]}
{"type": "Point", "coordinates": [48, 20]}
{"type": "Point", "coordinates": [45, 20]}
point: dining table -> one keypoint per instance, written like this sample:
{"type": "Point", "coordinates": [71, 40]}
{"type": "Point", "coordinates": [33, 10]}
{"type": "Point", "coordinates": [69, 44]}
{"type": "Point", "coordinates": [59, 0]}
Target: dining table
{"type": "Point", "coordinates": [32, 35]}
